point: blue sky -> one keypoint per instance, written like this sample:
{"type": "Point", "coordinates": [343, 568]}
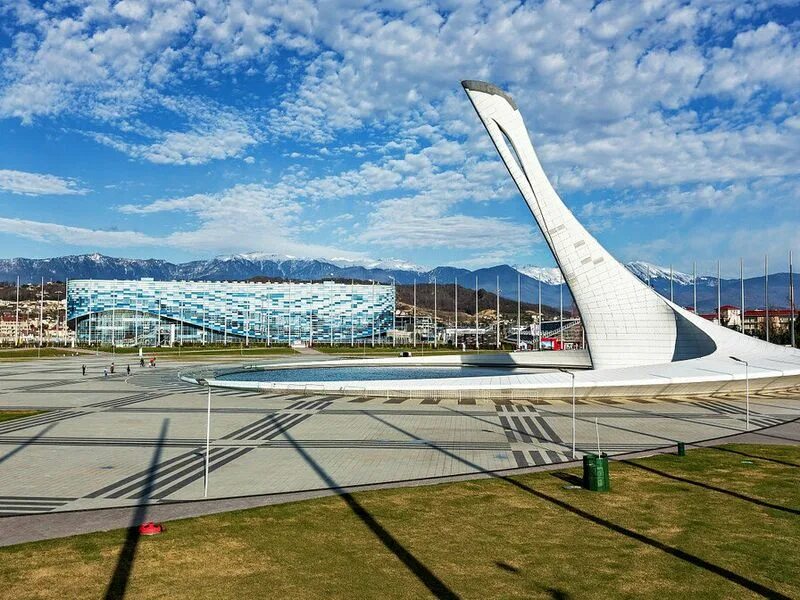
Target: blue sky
{"type": "Point", "coordinates": [178, 130]}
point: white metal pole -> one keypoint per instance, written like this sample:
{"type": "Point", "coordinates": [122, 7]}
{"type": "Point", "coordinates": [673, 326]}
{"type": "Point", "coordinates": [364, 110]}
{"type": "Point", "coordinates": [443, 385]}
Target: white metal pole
{"type": "Point", "coordinates": [114, 322]}
{"type": "Point", "coordinates": [476, 312]}
{"type": "Point", "coordinates": [597, 433]}
{"type": "Point", "coordinates": [747, 393]}
{"type": "Point", "coordinates": [455, 330]}
{"type": "Point", "coordinates": [741, 289]}
{"type": "Point", "coordinates": [561, 314]}
{"type": "Point", "coordinates": [394, 312]}
{"type": "Point", "coordinates": [352, 318]}
{"type": "Point", "coordinates": [671, 293]}
{"type": "Point", "coordinates": [497, 292]}
{"type": "Point", "coordinates": [766, 296]}
{"type": "Point", "coordinates": [791, 300]}
{"type": "Point", "coordinates": [16, 342]}
{"type": "Point", "coordinates": [66, 310]}
{"type": "Point", "coordinates": [435, 316]}
{"type": "Point", "coordinates": [573, 415]}
{"type": "Point", "coordinates": [519, 313]}
{"type": "Point", "coordinates": [373, 313]}
{"type": "Point", "coordinates": [208, 443]}
{"type": "Point", "coordinates": [41, 314]}
{"type": "Point", "coordinates": [694, 286]}
{"type": "Point", "coordinates": [719, 295]}
{"type": "Point", "coordinates": [414, 324]}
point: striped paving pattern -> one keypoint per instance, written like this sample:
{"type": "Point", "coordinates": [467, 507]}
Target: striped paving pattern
{"type": "Point", "coordinates": [96, 447]}
{"type": "Point", "coordinates": [12, 506]}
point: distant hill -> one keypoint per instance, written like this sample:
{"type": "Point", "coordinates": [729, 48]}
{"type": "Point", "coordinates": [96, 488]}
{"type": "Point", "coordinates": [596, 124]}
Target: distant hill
{"type": "Point", "coordinates": [247, 266]}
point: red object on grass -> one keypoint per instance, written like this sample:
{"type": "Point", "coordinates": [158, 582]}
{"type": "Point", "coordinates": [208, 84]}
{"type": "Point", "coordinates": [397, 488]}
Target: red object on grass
{"type": "Point", "coordinates": [151, 528]}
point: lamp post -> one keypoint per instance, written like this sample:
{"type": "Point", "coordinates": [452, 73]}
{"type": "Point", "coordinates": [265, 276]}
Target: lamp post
{"type": "Point", "coordinates": [746, 388]}
{"type": "Point", "coordinates": [572, 374]}
{"type": "Point", "coordinates": [208, 443]}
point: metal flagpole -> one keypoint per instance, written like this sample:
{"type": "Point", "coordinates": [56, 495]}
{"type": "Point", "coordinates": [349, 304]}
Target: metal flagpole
{"type": "Point", "coordinates": [208, 443]}
{"type": "Point", "coordinates": [41, 314]}
{"type": "Point", "coordinates": [414, 324]}
{"type": "Point", "coordinates": [741, 285]}
{"type": "Point", "coordinates": [497, 292]}
{"type": "Point", "coordinates": [114, 322]}
{"type": "Point", "coordinates": [561, 313]}
{"type": "Point", "coordinates": [16, 342]}
{"type": "Point", "coordinates": [394, 311]}
{"type": "Point", "coordinates": [766, 296]}
{"type": "Point", "coordinates": [455, 296]}
{"type": "Point", "coordinates": [791, 298]}
{"type": "Point", "coordinates": [66, 310]}
{"type": "Point", "coordinates": [540, 314]}
{"type": "Point", "coordinates": [435, 315]}
{"type": "Point", "coordinates": [352, 319]}
{"type": "Point", "coordinates": [671, 293]}
{"type": "Point", "coordinates": [477, 346]}
{"type": "Point", "coordinates": [519, 313]}
{"type": "Point", "coordinates": [719, 296]}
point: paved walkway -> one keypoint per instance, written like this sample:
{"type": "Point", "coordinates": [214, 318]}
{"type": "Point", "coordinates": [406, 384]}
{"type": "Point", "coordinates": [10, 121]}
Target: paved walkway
{"type": "Point", "coordinates": [109, 445]}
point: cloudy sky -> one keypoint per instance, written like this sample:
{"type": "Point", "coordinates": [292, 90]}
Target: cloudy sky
{"type": "Point", "coordinates": [183, 130]}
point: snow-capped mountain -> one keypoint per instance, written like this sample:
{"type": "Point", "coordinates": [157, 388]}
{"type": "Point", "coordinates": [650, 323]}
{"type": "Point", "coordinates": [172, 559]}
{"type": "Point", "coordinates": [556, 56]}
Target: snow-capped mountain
{"type": "Point", "coordinates": [246, 266]}
{"type": "Point", "coordinates": [644, 271]}
{"type": "Point", "coordinates": [548, 275]}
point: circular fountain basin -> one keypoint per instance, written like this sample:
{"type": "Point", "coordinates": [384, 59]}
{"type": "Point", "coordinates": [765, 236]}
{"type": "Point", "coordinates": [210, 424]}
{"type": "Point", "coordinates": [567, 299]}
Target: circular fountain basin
{"type": "Point", "coordinates": [369, 373]}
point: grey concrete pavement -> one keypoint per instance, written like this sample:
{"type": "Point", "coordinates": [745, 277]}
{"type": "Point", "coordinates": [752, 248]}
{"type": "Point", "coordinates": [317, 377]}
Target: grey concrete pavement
{"type": "Point", "coordinates": [108, 444]}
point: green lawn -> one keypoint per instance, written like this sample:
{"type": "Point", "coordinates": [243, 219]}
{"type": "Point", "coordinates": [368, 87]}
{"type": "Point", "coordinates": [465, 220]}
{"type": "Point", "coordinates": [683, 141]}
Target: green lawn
{"type": "Point", "coordinates": [719, 523]}
{"type": "Point", "coordinates": [35, 352]}
{"type": "Point", "coordinates": [7, 415]}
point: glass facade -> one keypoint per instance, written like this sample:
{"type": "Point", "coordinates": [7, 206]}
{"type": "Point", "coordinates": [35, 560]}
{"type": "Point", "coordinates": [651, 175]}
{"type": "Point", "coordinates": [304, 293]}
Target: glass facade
{"type": "Point", "coordinates": [153, 313]}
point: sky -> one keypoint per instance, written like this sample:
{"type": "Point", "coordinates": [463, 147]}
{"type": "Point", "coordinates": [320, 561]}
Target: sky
{"type": "Point", "coordinates": [187, 130]}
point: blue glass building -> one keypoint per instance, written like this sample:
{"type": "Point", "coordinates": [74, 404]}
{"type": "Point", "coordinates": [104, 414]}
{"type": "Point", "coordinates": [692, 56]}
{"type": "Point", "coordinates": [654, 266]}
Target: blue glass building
{"type": "Point", "coordinates": [152, 313]}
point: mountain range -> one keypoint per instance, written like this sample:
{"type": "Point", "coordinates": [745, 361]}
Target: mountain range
{"type": "Point", "coordinates": [246, 266]}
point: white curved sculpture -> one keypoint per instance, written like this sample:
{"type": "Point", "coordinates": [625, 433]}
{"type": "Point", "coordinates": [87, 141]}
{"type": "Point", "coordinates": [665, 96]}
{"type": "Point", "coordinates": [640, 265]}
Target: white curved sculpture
{"type": "Point", "coordinates": [626, 322]}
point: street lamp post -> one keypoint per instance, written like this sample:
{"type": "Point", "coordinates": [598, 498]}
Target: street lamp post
{"type": "Point", "coordinates": [572, 374]}
{"type": "Point", "coordinates": [746, 388]}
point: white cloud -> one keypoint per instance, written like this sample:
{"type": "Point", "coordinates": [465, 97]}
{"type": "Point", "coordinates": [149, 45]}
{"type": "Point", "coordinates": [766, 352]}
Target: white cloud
{"type": "Point", "coordinates": [38, 184]}
{"type": "Point", "coordinates": [78, 236]}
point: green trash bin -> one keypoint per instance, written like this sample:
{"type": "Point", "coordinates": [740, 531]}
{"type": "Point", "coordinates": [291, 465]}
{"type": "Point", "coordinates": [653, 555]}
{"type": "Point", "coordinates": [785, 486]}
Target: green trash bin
{"type": "Point", "coordinates": [681, 449]}
{"type": "Point", "coordinates": [595, 473]}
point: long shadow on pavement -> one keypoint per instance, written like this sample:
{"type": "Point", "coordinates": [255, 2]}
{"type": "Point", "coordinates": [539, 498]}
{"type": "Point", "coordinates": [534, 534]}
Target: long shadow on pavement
{"type": "Point", "coordinates": [27, 442]}
{"type": "Point", "coordinates": [127, 555]}
{"type": "Point", "coordinates": [731, 576]}
{"type": "Point", "coordinates": [435, 585]}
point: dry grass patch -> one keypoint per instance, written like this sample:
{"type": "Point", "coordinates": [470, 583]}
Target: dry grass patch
{"type": "Point", "coordinates": [704, 526]}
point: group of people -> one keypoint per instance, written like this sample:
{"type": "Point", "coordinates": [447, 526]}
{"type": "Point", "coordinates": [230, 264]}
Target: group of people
{"type": "Point", "coordinates": [110, 370]}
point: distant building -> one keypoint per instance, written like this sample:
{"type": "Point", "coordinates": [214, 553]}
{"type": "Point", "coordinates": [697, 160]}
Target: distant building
{"type": "Point", "coordinates": [155, 313]}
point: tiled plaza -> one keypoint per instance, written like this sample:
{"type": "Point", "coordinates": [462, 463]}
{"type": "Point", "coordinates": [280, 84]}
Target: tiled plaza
{"type": "Point", "coordinates": [126, 440]}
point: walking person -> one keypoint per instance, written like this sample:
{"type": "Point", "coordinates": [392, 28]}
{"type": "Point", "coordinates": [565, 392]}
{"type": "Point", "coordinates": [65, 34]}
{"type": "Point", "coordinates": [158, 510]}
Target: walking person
{"type": "Point", "coordinates": [141, 361]}
{"type": "Point", "coordinates": [112, 368]}
{"type": "Point", "coordinates": [128, 369]}
{"type": "Point", "coordinates": [105, 372]}
{"type": "Point", "coordinates": [83, 370]}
